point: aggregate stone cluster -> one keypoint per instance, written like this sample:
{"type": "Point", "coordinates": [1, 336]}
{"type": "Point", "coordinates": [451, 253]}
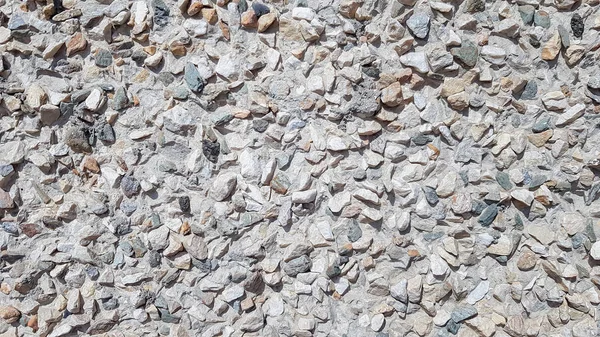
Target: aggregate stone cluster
{"type": "Point", "coordinates": [300, 168]}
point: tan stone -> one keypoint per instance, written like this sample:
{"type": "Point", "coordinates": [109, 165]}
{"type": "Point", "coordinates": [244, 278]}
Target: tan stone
{"type": "Point", "coordinates": [249, 19]}
{"type": "Point", "coordinates": [452, 86]}
{"type": "Point", "coordinates": [348, 7]}
{"type": "Point", "coordinates": [527, 259]}
{"type": "Point", "coordinates": [392, 95]}
{"type": "Point", "coordinates": [49, 114]}
{"type": "Point", "coordinates": [265, 21]}
{"type": "Point", "coordinates": [194, 7]}
{"type": "Point", "coordinates": [551, 48]}
{"type": "Point", "coordinates": [210, 15]}
{"type": "Point", "coordinates": [574, 54]}
{"type": "Point", "coordinates": [90, 164]}
{"type": "Point", "coordinates": [36, 96]}
{"type": "Point", "coordinates": [290, 29]}
{"type": "Point", "coordinates": [9, 314]}
{"type": "Point", "coordinates": [224, 30]}
{"type": "Point", "coordinates": [459, 101]}
{"type": "Point", "coordinates": [539, 139]}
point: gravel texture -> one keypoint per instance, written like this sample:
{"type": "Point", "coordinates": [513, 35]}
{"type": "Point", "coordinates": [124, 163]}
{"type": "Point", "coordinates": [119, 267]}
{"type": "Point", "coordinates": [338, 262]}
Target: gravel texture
{"type": "Point", "coordinates": [300, 168]}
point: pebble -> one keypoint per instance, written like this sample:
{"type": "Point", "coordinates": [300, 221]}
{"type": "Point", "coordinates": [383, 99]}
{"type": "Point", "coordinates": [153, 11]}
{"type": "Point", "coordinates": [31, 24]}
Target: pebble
{"type": "Point", "coordinates": [527, 13]}
{"type": "Point", "coordinates": [416, 60]}
{"type": "Point", "coordinates": [551, 48]}
{"type": "Point", "coordinates": [595, 251]}
{"type": "Point", "coordinates": [418, 24]}
{"type": "Point", "coordinates": [577, 25]}
{"type": "Point", "coordinates": [541, 18]}
{"type": "Point", "coordinates": [192, 78]}
{"type": "Point", "coordinates": [103, 58]}
{"type": "Point", "coordinates": [463, 313]}
{"type": "Point", "coordinates": [488, 215]}
{"type": "Point", "coordinates": [467, 53]}
{"type": "Point", "coordinates": [298, 265]}
{"type": "Point", "coordinates": [9, 314]}
{"type": "Point", "coordinates": [223, 186]}
{"type": "Point", "coordinates": [76, 44]}
{"type": "Point", "coordinates": [130, 186]}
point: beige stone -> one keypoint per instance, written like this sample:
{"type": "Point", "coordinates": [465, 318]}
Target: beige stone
{"type": "Point", "coordinates": [574, 54]}
{"type": "Point", "coordinates": [265, 21]}
{"type": "Point", "coordinates": [210, 15]}
{"type": "Point", "coordinates": [392, 95]}
{"type": "Point", "coordinates": [452, 86]}
{"type": "Point", "coordinates": [539, 139]}
{"type": "Point", "coordinates": [551, 48]}
{"type": "Point", "coordinates": [527, 259]}
{"type": "Point", "coordinates": [9, 314]}
{"type": "Point", "coordinates": [459, 101]}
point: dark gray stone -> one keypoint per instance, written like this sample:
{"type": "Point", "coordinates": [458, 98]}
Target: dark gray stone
{"type": "Point", "coordinates": [592, 193]}
{"type": "Point", "coordinates": [139, 56]}
{"type": "Point", "coordinates": [128, 207]}
{"type": "Point", "coordinates": [154, 258]}
{"type": "Point", "coordinates": [260, 125]}
{"type": "Point", "coordinates": [488, 215]}
{"type": "Point", "coordinates": [221, 118]}
{"type": "Point", "coordinates": [298, 265]}
{"type": "Point", "coordinates": [518, 222]}
{"type": "Point", "coordinates": [211, 150]}
{"type": "Point", "coordinates": [542, 19]}
{"type": "Point", "coordinates": [421, 139]}
{"type": "Point", "coordinates": [260, 9]}
{"type": "Point", "coordinates": [364, 102]}
{"type": "Point", "coordinates": [430, 195]}
{"type": "Point", "coordinates": [110, 304]}
{"type": "Point", "coordinates": [475, 6]}
{"type": "Point", "coordinates": [453, 327]}
{"type": "Point", "coordinates": [466, 54]}
{"type": "Point", "coordinates": [120, 99]}
{"type": "Point", "coordinates": [530, 91]}
{"type": "Point", "coordinates": [80, 95]}
{"type": "Point", "coordinates": [354, 232]}
{"type": "Point", "coordinates": [527, 12]}
{"type": "Point", "coordinates": [192, 78]}
{"type": "Point", "coordinates": [184, 203]}
{"type": "Point", "coordinates": [462, 313]}
{"type": "Point", "coordinates": [130, 186]}
{"type": "Point", "coordinates": [103, 58]}
{"type": "Point", "coordinates": [165, 315]}
{"type": "Point", "coordinates": [537, 181]}
{"type": "Point", "coordinates": [541, 125]}
{"type": "Point", "coordinates": [105, 133]}
{"type": "Point", "coordinates": [564, 36]}
{"type": "Point", "coordinates": [504, 181]}
{"type": "Point", "coordinates": [66, 108]}
{"type": "Point", "coordinates": [577, 25]}
{"type": "Point", "coordinates": [161, 13]}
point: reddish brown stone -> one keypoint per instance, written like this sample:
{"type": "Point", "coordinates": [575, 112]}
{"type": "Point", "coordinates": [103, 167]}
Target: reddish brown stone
{"type": "Point", "coordinates": [76, 44]}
